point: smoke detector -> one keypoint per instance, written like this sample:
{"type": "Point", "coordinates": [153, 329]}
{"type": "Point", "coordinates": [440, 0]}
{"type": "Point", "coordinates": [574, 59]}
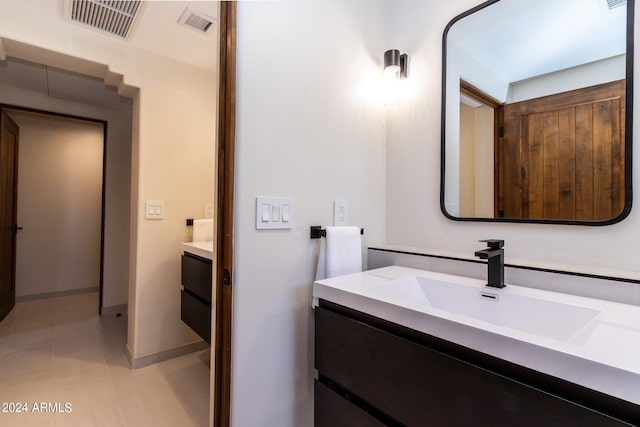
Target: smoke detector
{"type": "Point", "coordinates": [196, 21]}
{"type": "Point", "coordinates": [115, 17]}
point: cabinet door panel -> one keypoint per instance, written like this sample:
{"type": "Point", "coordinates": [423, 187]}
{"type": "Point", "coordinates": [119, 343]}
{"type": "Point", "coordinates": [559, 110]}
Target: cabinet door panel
{"type": "Point", "coordinates": [331, 410]}
{"type": "Point", "coordinates": [196, 314]}
{"type": "Point", "coordinates": [418, 386]}
{"type": "Point", "coordinates": [196, 276]}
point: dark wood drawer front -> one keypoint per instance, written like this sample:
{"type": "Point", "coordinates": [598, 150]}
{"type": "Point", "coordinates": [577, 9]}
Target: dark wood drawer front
{"type": "Point", "coordinates": [331, 410]}
{"type": "Point", "coordinates": [418, 386]}
{"type": "Point", "coordinates": [196, 314]}
{"type": "Point", "coordinates": [196, 276]}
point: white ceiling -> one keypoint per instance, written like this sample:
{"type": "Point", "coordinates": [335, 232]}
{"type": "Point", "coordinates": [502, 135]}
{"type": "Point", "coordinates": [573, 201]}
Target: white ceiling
{"type": "Point", "coordinates": [520, 39]}
{"type": "Point", "coordinates": [156, 30]}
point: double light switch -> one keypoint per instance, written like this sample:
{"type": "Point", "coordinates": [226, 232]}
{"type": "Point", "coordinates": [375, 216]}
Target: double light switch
{"type": "Point", "coordinates": [154, 209]}
{"type": "Point", "coordinates": [274, 213]}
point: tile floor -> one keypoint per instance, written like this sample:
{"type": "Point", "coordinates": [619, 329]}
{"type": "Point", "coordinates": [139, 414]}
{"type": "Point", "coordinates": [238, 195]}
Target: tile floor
{"type": "Point", "coordinates": [59, 352]}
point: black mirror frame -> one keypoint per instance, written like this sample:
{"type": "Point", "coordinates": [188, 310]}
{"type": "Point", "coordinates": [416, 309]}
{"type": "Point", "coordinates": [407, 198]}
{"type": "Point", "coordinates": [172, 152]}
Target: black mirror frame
{"type": "Point", "coordinates": [628, 137]}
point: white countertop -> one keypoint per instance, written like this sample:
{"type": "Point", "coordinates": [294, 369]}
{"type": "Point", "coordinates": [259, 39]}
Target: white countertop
{"type": "Point", "coordinates": [203, 249]}
{"type": "Point", "coordinates": [608, 360]}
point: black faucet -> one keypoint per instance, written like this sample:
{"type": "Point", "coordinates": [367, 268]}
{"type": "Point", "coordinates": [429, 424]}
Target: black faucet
{"type": "Point", "coordinates": [494, 255]}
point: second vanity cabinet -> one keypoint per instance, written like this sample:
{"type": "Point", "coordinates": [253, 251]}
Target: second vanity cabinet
{"type": "Point", "coordinates": [372, 372]}
{"type": "Point", "coordinates": [195, 298]}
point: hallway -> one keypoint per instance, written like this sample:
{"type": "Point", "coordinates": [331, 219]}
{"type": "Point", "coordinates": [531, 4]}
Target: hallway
{"type": "Point", "coordinates": [59, 352]}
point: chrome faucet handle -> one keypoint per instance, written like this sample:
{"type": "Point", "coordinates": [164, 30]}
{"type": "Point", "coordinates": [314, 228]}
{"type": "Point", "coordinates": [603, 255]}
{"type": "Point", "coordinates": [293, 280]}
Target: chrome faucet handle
{"type": "Point", "coordinates": [493, 243]}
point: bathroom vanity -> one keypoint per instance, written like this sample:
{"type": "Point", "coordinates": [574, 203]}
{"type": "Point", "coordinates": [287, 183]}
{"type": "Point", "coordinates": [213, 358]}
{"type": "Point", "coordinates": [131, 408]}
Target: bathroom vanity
{"type": "Point", "coordinates": [398, 346]}
{"type": "Point", "coordinates": [195, 297]}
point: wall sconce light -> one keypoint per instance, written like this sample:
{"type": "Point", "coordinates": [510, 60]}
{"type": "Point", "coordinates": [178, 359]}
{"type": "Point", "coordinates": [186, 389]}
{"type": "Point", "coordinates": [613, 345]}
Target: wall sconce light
{"type": "Point", "coordinates": [396, 65]}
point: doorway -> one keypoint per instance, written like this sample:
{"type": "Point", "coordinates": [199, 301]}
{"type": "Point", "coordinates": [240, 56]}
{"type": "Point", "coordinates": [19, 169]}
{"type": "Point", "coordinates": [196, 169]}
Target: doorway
{"type": "Point", "coordinates": [104, 109]}
{"type": "Point", "coordinates": [132, 263]}
{"type": "Point", "coordinates": [79, 98]}
{"type": "Point", "coordinates": [59, 206]}
{"type": "Point", "coordinates": [477, 152]}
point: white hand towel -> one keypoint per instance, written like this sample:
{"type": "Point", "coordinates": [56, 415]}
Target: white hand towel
{"type": "Point", "coordinates": [202, 230]}
{"type": "Point", "coordinates": [340, 252]}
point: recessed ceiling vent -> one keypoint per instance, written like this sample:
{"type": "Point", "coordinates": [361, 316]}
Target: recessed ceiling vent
{"type": "Point", "coordinates": [115, 17]}
{"type": "Point", "coordinates": [197, 21]}
{"type": "Point", "coordinates": [615, 3]}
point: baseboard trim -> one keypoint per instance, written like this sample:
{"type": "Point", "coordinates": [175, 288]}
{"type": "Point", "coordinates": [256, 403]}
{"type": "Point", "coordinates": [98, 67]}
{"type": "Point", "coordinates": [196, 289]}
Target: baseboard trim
{"type": "Point", "coordinates": [56, 294]}
{"type": "Point", "coordinates": [113, 310]}
{"type": "Point", "coordinates": [151, 359]}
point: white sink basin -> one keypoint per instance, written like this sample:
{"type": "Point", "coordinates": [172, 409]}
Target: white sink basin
{"type": "Point", "coordinates": [545, 318]}
{"type": "Point", "coordinates": [593, 343]}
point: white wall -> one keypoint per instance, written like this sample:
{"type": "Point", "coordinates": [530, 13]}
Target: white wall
{"type": "Point", "coordinates": [461, 66]}
{"type": "Point", "coordinates": [413, 174]}
{"type": "Point", "coordinates": [59, 204]}
{"type": "Point", "coordinates": [604, 71]}
{"type": "Point", "coordinates": [173, 154]}
{"type": "Point", "coordinates": [117, 186]}
{"type": "Point", "coordinates": [309, 126]}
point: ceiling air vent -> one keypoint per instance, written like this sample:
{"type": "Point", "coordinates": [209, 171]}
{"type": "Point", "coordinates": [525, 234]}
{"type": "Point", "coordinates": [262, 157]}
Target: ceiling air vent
{"type": "Point", "coordinates": [615, 3]}
{"type": "Point", "coordinates": [115, 17]}
{"type": "Point", "coordinates": [197, 21]}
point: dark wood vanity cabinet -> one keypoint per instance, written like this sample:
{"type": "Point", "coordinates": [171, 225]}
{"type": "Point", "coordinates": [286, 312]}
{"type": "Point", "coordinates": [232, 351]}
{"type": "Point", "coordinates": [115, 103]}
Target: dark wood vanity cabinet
{"type": "Point", "coordinates": [373, 372]}
{"type": "Point", "coordinates": [332, 410]}
{"type": "Point", "coordinates": [195, 298]}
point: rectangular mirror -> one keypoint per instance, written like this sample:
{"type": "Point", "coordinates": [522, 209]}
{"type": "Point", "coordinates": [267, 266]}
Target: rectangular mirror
{"type": "Point", "coordinates": [537, 112]}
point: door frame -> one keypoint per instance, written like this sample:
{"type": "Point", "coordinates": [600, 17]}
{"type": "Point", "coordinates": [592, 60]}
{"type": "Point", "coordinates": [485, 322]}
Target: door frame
{"type": "Point", "coordinates": [473, 92]}
{"type": "Point", "coordinates": [7, 304]}
{"type": "Point", "coordinates": [225, 149]}
{"type": "Point", "coordinates": [104, 124]}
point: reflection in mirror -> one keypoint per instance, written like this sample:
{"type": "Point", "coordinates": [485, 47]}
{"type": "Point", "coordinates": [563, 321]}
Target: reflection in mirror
{"type": "Point", "coordinates": [537, 112]}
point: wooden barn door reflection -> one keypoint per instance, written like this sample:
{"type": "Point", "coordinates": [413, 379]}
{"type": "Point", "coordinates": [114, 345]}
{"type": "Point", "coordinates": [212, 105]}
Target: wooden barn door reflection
{"type": "Point", "coordinates": [561, 157]}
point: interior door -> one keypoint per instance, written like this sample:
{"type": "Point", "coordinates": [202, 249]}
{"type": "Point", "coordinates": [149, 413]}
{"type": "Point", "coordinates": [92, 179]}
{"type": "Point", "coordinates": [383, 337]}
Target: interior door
{"type": "Point", "coordinates": [8, 212]}
{"type": "Point", "coordinates": [563, 155]}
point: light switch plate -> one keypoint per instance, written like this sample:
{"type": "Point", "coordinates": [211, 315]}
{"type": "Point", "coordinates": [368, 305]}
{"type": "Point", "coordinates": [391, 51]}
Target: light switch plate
{"type": "Point", "coordinates": [274, 213]}
{"type": "Point", "coordinates": [154, 209]}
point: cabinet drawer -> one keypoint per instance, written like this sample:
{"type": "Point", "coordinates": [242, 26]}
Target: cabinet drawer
{"type": "Point", "coordinates": [196, 314]}
{"type": "Point", "coordinates": [331, 409]}
{"type": "Point", "coordinates": [414, 384]}
{"type": "Point", "coordinates": [196, 276]}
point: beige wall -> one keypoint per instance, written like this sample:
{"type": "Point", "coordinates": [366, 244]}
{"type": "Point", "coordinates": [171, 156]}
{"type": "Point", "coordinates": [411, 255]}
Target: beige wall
{"type": "Point", "coordinates": [467, 161]}
{"type": "Point", "coordinates": [59, 204]}
{"type": "Point", "coordinates": [172, 155]}
{"type": "Point", "coordinates": [476, 161]}
{"type": "Point", "coordinates": [175, 163]}
{"type": "Point", "coordinates": [484, 164]}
